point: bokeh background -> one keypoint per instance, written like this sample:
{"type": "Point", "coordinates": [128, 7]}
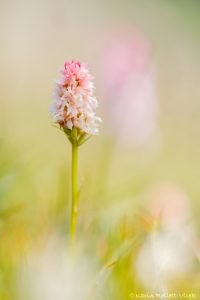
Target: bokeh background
{"type": "Point", "coordinates": [139, 179]}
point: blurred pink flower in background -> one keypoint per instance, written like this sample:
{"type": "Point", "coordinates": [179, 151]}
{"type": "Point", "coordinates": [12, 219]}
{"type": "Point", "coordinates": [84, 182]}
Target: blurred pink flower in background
{"type": "Point", "coordinates": [170, 204]}
{"type": "Point", "coordinates": [130, 87]}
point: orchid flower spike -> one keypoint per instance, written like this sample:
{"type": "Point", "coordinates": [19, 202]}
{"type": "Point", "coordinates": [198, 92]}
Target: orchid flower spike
{"type": "Point", "coordinates": [74, 105]}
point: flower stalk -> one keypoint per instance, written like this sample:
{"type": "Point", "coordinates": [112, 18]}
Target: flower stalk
{"type": "Point", "coordinates": [74, 210]}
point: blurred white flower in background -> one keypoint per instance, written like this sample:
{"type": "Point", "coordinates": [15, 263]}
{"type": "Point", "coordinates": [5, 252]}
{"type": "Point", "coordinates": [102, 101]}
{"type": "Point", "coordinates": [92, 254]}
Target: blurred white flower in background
{"type": "Point", "coordinates": [168, 252]}
{"type": "Point", "coordinates": [164, 257]}
{"type": "Point", "coordinates": [130, 88]}
{"type": "Point", "coordinates": [53, 274]}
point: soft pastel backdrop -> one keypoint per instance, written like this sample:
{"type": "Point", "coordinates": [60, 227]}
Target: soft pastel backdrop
{"type": "Point", "coordinates": [115, 175]}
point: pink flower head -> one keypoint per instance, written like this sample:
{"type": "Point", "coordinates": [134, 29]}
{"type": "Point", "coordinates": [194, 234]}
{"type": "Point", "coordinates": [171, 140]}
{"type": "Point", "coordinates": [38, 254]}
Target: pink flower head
{"type": "Point", "coordinates": [74, 102]}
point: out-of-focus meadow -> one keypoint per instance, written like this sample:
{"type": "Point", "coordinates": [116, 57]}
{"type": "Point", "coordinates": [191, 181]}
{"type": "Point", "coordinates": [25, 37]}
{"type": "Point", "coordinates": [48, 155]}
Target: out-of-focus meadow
{"type": "Point", "coordinates": [139, 229]}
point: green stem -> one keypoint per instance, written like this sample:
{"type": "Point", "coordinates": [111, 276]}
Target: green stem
{"type": "Point", "coordinates": [74, 212]}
